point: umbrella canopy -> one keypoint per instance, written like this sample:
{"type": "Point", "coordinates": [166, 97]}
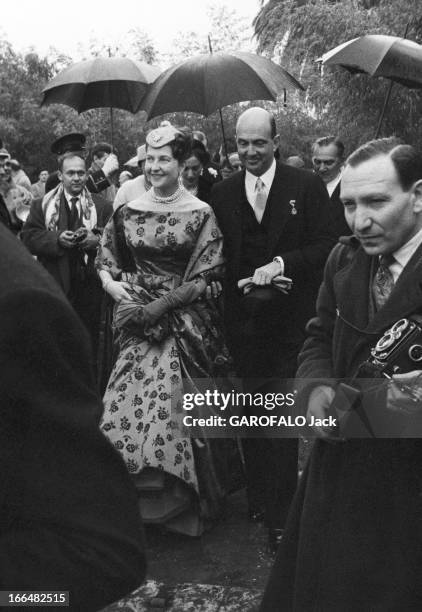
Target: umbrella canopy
{"type": "Point", "coordinates": [204, 83]}
{"type": "Point", "coordinates": [114, 82]}
{"type": "Point", "coordinates": [395, 58]}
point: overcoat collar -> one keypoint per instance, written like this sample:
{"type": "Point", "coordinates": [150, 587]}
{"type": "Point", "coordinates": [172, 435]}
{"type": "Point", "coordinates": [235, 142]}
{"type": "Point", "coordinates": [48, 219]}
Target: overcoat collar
{"type": "Point", "coordinates": [352, 286]}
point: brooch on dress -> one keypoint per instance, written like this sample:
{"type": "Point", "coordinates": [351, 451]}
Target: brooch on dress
{"type": "Point", "coordinates": [293, 209]}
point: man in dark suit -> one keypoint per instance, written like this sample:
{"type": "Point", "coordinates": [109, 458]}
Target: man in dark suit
{"type": "Point", "coordinates": [275, 221]}
{"type": "Point", "coordinates": [354, 539]}
{"type": "Point", "coordinates": [69, 519]}
{"type": "Point", "coordinates": [63, 231]}
{"type": "Point", "coordinates": [327, 160]}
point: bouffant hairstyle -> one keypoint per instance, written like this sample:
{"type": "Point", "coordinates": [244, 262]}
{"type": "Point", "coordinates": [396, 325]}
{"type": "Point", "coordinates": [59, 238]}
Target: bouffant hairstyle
{"type": "Point", "coordinates": [181, 146]}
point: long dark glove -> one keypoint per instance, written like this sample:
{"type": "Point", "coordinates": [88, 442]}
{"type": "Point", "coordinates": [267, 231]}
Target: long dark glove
{"type": "Point", "coordinates": [145, 315]}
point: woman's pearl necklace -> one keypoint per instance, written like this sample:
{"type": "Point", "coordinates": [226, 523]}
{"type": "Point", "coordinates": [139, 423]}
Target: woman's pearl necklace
{"type": "Point", "coordinates": [167, 199]}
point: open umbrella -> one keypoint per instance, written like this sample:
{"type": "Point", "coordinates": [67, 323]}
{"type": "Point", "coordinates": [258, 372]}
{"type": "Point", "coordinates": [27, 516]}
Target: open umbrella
{"type": "Point", "coordinates": [205, 83]}
{"type": "Point", "coordinates": [378, 55]}
{"type": "Point", "coordinates": [114, 82]}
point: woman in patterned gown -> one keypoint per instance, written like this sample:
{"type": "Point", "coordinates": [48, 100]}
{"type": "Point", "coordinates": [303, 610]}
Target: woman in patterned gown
{"type": "Point", "coordinates": [168, 334]}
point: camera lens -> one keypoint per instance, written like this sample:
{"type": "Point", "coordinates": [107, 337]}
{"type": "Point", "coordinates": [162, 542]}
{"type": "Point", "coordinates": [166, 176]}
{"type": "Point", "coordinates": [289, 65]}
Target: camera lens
{"type": "Point", "coordinates": [415, 352]}
{"type": "Point", "coordinates": [385, 342]}
{"type": "Point", "coordinates": [400, 326]}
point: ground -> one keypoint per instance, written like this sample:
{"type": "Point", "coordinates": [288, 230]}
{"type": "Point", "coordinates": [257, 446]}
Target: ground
{"type": "Point", "coordinates": [225, 570]}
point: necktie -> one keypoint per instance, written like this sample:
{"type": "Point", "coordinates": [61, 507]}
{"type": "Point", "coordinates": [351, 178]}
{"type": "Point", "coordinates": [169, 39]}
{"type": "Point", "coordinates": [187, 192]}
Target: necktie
{"type": "Point", "coordinates": [260, 200]}
{"type": "Point", "coordinates": [383, 281]}
{"type": "Point", "coordinates": [74, 215]}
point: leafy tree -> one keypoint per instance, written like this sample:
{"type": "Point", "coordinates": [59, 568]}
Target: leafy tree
{"type": "Point", "coordinates": [300, 31]}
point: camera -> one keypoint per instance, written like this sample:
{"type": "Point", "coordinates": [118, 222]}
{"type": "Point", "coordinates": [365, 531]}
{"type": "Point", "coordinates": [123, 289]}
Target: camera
{"type": "Point", "coordinates": [80, 234]}
{"type": "Point", "coordinates": [399, 350]}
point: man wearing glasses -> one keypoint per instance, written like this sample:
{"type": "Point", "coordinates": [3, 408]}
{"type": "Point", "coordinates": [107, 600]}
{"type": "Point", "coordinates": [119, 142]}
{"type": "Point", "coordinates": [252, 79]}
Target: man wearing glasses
{"type": "Point", "coordinates": [327, 160]}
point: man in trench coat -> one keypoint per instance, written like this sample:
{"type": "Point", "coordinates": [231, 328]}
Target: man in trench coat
{"type": "Point", "coordinates": [354, 539]}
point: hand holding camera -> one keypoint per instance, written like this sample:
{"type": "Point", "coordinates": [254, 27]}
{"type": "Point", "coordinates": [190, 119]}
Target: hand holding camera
{"type": "Point", "coordinates": [70, 240]}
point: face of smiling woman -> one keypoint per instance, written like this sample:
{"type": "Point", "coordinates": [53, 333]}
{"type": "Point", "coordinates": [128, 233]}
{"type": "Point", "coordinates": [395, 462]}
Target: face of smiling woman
{"type": "Point", "coordinates": [163, 170]}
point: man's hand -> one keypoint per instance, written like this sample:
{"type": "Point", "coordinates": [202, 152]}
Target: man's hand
{"type": "Point", "coordinates": [111, 165]}
{"type": "Point", "coordinates": [405, 392]}
{"type": "Point", "coordinates": [213, 290]}
{"type": "Point", "coordinates": [265, 274]}
{"type": "Point", "coordinates": [66, 240]}
{"type": "Point", "coordinates": [319, 404]}
{"type": "Point", "coordinates": [90, 242]}
{"type": "Point", "coordinates": [117, 291]}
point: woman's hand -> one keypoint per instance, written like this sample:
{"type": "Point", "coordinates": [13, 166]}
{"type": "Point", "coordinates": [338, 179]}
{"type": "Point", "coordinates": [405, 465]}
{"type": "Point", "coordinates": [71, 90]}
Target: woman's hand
{"type": "Point", "coordinates": [118, 291]}
{"type": "Point", "coordinates": [213, 290]}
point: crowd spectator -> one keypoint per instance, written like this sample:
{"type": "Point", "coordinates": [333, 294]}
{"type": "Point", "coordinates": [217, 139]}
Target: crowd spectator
{"type": "Point", "coordinates": [38, 188]}
{"type": "Point", "coordinates": [63, 231]}
{"type": "Point", "coordinates": [327, 160]}
{"type": "Point", "coordinates": [133, 189]}
{"type": "Point", "coordinates": [19, 177]}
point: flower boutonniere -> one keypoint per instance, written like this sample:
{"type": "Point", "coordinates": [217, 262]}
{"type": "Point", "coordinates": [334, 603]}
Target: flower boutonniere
{"type": "Point", "coordinates": [293, 209]}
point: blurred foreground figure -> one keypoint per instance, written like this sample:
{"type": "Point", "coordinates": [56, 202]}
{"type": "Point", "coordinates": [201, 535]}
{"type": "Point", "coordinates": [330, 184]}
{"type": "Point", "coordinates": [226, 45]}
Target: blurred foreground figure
{"type": "Point", "coordinates": [353, 538]}
{"type": "Point", "coordinates": [68, 513]}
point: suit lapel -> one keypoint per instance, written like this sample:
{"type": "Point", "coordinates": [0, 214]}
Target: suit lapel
{"type": "Point", "coordinates": [351, 285]}
{"type": "Point", "coordinates": [278, 209]}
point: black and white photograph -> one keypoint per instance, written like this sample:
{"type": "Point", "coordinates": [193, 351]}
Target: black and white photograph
{"type": "Point", "coordinates": [211, 306]}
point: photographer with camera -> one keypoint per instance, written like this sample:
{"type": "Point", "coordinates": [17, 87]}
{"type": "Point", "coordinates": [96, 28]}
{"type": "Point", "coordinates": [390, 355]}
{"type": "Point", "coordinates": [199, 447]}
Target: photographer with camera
{"type": "Point", "coordinates": [354, 539]}
{"type": "Point", "coordinates": [64, 231]}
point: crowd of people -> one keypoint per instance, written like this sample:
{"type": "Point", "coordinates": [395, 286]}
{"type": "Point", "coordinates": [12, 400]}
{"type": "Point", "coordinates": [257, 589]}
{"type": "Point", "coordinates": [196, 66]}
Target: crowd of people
{"type": "Point", "coordinates": [179, 267]}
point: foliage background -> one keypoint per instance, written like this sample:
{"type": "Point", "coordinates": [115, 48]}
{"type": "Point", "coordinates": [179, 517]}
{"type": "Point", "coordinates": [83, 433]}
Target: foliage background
{"type": "Point", "coordinates": [291, 32]}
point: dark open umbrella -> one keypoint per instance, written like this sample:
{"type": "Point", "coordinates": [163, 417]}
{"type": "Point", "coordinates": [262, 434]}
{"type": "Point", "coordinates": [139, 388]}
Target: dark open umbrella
{"type": "Point", "coordinates": [113, 82]}
{"type": "Point", "coordinates": [205, 83]}
{"type": "Point", "coordinates": [394, 58]}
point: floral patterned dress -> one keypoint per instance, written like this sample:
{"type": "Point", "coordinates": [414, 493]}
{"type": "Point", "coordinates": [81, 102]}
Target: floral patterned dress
{"type": "Point", "coordinates": [176, 248]}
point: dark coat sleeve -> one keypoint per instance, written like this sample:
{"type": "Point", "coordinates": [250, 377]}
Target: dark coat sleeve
{"type": "Point", "coordinates": [68, 512]}
{"type": "Point", "coordinates": [37, 238]}
{"type": "Point", "coordinates": [317, 357]}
